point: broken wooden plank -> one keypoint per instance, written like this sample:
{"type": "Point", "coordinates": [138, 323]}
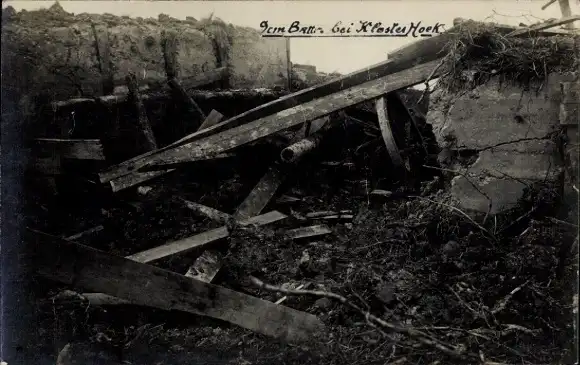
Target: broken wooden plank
{"type": "Point", "coordinates": [103, 50]}
{"type": "Point", "coordinates": [206, 266]}
{"type": "Point", "coordinates": [312, 110]}
{"type": "Point", "coordinates": [307, 232]}
{"type": "Point", "coordinates": [80, 149]}
{"type": "Point", "coordinates": [299, 287]}
{"type": "Point", "coordinates": [387, 133]}
{"type": "Point", "coordinates": [143, 120]}
{"type": "Point", "coordinates": [336, 217]}
{"type": "Point", "coordinates": [326, 213]}
{"type": "Point", "coordinates": [127, 181]}
{"type": "Point", "coordinates": [205, 211]}
{"type": "Point", "coordinates": [93, 270]}
{"type": "Point", "coordinates": [200, 240]}
{"type": "Point", "coordinates": [286, 199]}
{"type": "Point", "coordinates": [85, 233]}
{"type": "Point", "coordinates": [261, 194]}
{"type": "Point", "coordinates": [213, 118]}
{"type": "Point", "coordinates": [545, 25]}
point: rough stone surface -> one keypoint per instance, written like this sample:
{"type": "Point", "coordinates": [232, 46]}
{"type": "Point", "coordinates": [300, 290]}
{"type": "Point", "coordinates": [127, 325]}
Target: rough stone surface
{"type": "Point", "coordinates": [53, 50]}
{"type": "Point", "coordinates": [494, 113]}
{"type": "Point", "coordinates": [510, 130]}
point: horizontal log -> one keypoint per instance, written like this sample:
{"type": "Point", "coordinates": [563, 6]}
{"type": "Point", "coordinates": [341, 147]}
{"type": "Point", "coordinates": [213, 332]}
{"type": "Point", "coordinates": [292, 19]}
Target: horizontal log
{"type": "Point", "coordinates": [188, 83]}
{"type": "Point", "coordinates": [299, 149]}
{"type": "Point", "coordinates": [250, 132]}
{"type": "Point", "coordinates": [200, 240]}
{"type": "Point", "coordinates": [89, 269]}
{"type": "Point", "coordinates": [80, 149]}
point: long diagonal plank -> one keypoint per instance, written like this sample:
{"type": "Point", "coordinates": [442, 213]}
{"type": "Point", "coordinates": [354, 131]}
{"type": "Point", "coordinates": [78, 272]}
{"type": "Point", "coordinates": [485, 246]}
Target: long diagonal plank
{"type": "Point", "coordinates": [200, 240]}
{"type": "Point", "coordinates": [545, 25]}
{"type": "Point", "coordinates": [93, 270]}
{"type": "Point", "coordinates": [425, 50]}
{"type": "Point", "coordinates": [238, 136]}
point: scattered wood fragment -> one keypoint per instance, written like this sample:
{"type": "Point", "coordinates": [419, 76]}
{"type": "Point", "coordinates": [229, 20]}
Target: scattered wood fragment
{"type": "Point", "coordinates": [103, 50]}
{"type": "Point", "coordinates": [261, 194]}
{"type": "Point", "coordinates": [383, 194]}
{"type": "Point", "coordinates": [205, 211]}
{"type": "Point", "coordinates": [93, 270]}
{"type": "Point", "coordinates": [100, 299]}
{"type": "Point", "coordinates": [143, 120]}
{"type": "Point", "coordinates": [545, 25]}
{"type": "Point", "coordinates": [206, 266]}
{"type": "Point", "coordinates": [336, 217]}
{"type": "Point", "coordinates": [80, 149]}
{"type": "Point", "coordinates": [287, 199]}
{"type": "Point", "coordinates": [387, 133]}
{"type": "Point", "coordinates": [201, 240]}
{"type": "Point", "coordinates": [250, 132]}
{"type": "Point", "coordinates": [326, 213]}
{"type": "Point", "coordinates": [85, 233]}
{"type": "Point", "coordinates": [307, 232]}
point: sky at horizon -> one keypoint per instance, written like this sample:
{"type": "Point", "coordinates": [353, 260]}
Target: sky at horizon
{"type": "Point", "coordinates": [342, 55]}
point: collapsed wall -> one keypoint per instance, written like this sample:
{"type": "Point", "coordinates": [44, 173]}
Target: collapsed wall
{"type": "Point", "coordinates": [53, 52]}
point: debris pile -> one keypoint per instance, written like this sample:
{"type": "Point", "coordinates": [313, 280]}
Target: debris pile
{"type": "Point", "coordinates": [321, 218]}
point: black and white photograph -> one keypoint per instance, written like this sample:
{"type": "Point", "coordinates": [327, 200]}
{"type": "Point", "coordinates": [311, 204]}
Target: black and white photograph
{"type": "Point", "coordinates": [289, 182]}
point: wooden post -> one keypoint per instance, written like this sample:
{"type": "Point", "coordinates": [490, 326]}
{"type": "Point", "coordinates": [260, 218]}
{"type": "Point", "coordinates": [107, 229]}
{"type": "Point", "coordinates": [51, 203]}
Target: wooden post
{"type": "Point", "coordinates": [566, 12]}
{"type": "Point", "coordinates": [288, 64]}
{"type": "Point", "coordinates": [143, 121]}
{"type": "Point", "coordinates": [103, 49]}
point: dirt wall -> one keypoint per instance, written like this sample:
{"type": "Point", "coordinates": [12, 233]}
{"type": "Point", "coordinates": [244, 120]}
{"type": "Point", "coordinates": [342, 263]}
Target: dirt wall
{"type": "Point", "coordinates": [53, 52]}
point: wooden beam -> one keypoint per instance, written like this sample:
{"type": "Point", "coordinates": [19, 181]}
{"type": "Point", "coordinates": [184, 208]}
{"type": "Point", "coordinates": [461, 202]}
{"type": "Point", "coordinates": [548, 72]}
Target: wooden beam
{"type": "Point", "coordinates": [192, 107]}
{"type": "Point", "coordinates": [566, 12]}
{"type": "Point", "coordinates": [191, 82]}
{"type": "Point", "coordinates": [79, 149]}
{"type": "Point", "coordinates": [250, 132]}
{"type": "Point", "coordinates": [103, 50]}
{"type": "Point", "coordinates": [387, 133]}
{"type": "Point", "coordinates": [169, 48]}
{"type": "Point", "coordinates": [570, 104]}
{"type": "Point", "coordinates": [259, 197]}
{"type": "Point", "coordinates": [93, 270]}
{"type": "Point", "coordinates": [425, 50]}
{"type": "Point", "coordinates": [546, 25]}
{"type": "Point", "coordinates": [201, 240]}
{"type": "Point", "coordinates": [143, 120]}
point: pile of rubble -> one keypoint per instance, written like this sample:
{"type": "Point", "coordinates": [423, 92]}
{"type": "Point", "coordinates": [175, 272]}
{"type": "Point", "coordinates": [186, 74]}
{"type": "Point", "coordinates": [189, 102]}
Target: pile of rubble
{"type": "Point", "coordinates": [320, 218]}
